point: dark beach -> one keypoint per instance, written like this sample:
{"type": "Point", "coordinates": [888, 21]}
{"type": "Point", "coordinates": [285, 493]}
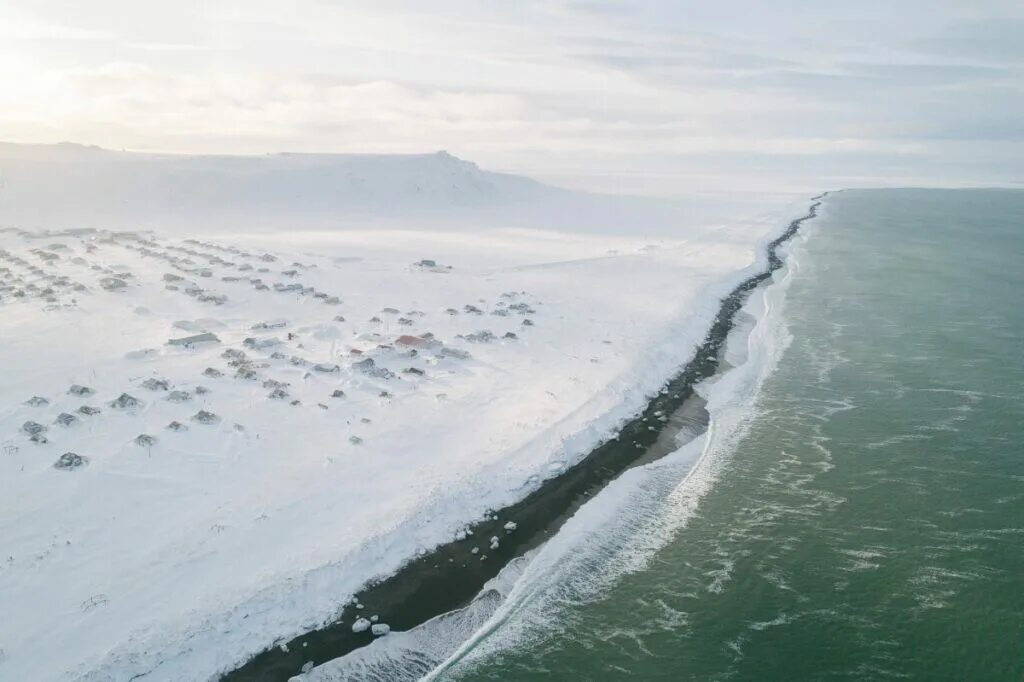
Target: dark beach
{"type": "Point", "coordinates": [450, 576]}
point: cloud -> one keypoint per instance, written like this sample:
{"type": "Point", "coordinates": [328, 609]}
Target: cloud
{"type": "Point", "coordinates": [168, 47]}
{"type": "Point", "coordinates": [14, 28]}
{"type": "Point", "coordinates": [992, 39]}
{"type": "Point", "coordinates": [595, 86]}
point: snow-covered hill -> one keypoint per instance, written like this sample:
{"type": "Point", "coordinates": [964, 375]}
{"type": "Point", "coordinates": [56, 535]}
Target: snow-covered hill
{"type": "Point", "coordinates": [66, 184]}
{"type": "Point", "coordinates": [71, 186]}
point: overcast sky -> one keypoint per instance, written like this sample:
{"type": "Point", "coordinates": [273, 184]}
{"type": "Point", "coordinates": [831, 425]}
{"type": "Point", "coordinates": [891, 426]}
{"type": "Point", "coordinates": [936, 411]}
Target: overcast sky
{"type": "Point", "coordinates": [640, 96]}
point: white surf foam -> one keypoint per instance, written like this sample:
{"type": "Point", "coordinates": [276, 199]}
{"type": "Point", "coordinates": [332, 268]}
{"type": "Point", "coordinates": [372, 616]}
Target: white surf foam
{"type": "Point", "coordinates": [616, 533]}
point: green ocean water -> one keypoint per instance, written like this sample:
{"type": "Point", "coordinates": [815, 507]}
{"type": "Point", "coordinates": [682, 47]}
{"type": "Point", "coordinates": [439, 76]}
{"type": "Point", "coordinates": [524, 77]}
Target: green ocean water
{"type": "Point", "coordinates": [869, 524]}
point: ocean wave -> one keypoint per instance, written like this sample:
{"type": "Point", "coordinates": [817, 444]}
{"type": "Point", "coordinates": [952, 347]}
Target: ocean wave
{"type": "Point", "coordinates": [623, 528]}
{"type": "Point", "coordinates": [616, 533]}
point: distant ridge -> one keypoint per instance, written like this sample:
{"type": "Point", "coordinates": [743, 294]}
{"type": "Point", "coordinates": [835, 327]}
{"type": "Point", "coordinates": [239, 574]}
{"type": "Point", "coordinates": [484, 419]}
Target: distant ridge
{"type": "Point", "coordinates": [70, 186]}
{"type": "Point", "coordinates": [68, 183]}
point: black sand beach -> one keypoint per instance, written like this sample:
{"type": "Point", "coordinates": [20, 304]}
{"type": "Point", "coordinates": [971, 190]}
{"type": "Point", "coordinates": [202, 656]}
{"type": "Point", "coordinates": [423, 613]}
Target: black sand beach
{"type": "Point", "coordinates": [450, 576]}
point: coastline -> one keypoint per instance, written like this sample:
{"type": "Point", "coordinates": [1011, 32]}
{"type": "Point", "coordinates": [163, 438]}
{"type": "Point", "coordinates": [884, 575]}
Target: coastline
{"type": "Point", "coordinates": [812, 513]}
{"type": "Point", "coordinates": [451, 575]}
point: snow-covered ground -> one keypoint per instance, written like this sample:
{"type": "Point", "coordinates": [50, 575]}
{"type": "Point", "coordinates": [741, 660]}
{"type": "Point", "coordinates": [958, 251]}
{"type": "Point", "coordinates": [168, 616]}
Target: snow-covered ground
{"type": "Point", "coordinates": [373, 387]}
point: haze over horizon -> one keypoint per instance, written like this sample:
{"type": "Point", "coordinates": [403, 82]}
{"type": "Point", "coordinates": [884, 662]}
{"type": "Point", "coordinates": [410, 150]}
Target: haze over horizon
{"type": "Point", "coordinates": [649, 98]}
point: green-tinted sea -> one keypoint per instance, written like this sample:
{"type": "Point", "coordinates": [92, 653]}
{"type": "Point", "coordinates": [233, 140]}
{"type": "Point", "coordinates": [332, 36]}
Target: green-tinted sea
{"type": "Point", "coordinates": [868, 523]}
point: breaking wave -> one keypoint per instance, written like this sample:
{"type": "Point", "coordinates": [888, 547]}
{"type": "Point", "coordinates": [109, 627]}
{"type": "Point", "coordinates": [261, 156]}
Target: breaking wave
{"type": "Point", "coordinates": [616, 533]}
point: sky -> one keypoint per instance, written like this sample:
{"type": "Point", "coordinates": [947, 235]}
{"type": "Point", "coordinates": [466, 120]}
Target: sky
{"type": "Point", "coordinates": [640, 96]}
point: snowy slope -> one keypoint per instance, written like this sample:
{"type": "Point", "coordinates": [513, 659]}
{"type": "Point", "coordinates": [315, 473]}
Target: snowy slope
{"type": "Point", "coordinates": [72, 186]}
{"type": "Point", "coordinates": [179, 557]}
{"type": "Point", "coordinates": [65, 185]}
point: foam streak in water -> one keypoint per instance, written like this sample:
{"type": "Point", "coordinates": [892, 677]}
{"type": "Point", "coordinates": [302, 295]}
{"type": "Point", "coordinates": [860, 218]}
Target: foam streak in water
{"type": "Point", "coordinates": [616, 533]}
{"type": "Point", "coordinates": [624, 527]}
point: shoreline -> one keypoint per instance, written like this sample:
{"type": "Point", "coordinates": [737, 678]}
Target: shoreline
{"type": "Point", "coordinates": [451, 575]}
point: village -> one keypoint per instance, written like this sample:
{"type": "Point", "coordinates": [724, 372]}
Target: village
{"type": "Point", "coordinates": [322, 362]}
